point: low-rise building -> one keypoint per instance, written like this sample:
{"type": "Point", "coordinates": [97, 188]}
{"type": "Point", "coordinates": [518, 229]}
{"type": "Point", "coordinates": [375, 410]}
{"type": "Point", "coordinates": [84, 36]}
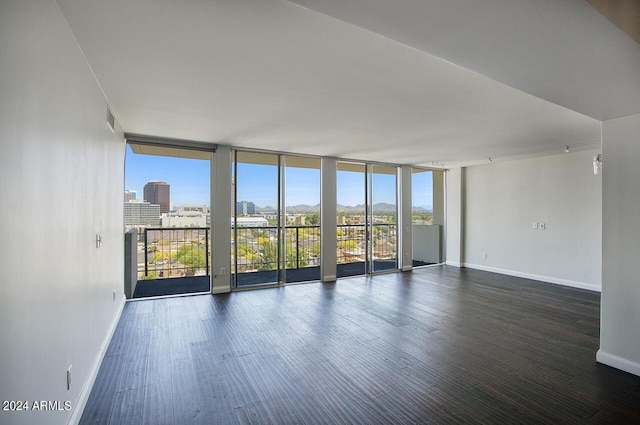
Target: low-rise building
{"type": "Point", "coordinates": [140, 213]}
{"type": "Point", "coordinates": [177, 220]}
{"type": "Point", "coordinates": [193, 210]}
{"type": "Point", "coordinates": [251, 222]}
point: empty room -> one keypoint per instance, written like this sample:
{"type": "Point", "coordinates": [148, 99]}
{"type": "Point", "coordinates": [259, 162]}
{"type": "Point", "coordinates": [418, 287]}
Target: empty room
{"type": "Point", "coordinates": [319, 212]}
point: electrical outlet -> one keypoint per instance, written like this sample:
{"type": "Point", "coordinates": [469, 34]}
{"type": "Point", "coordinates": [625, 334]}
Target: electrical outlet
{"type": "Point", "coordinates": [535, 225]}
{"type": "Point", "coordinates": [484, 255]}
{"type": "Point", "coordinates": [543, 226]}
{"type": "Point", "coordinates": [69, 377]}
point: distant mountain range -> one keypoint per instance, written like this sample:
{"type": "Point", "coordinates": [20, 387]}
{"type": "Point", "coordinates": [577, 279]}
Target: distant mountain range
{"type": "Point", "coordinates": [380, 207]}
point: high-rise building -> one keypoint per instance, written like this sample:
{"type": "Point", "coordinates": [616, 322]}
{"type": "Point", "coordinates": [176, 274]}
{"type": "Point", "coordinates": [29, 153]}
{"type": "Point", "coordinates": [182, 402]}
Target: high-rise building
{"type": "Point", "coordinates": [245, 208]}
{"type": "Point", "coordinates": [157, 192]}
{"type": "Point", "coordinates": [130, 195]}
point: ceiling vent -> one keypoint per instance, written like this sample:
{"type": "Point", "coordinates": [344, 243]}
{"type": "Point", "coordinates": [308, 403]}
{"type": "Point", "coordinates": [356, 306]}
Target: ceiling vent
{"type": "Point", "coordinates": [111, 120]}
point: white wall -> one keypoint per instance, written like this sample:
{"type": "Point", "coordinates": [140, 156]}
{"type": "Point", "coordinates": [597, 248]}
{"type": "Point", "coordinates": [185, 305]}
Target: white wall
{"type": "Point", "coordinates": [427, 242]}
{"type": "Point", "coordinates": [454, 202]}
{"type": "Point", "coordinates": [620, 302]}
{"type": "Point", "coordinates": [503, 200]}
{"type": "Point", "coordinates": [62, 181]}
{"type": "Point", "coordinates": [406, 243]}
{"type": "Point", "coordinates": [221, 220]}
{"type": "Point", "coordinates": [328, 219]}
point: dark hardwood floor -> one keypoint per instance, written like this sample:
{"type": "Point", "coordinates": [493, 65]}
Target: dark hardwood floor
{"type": "Point", "coordinates": [437, 345]}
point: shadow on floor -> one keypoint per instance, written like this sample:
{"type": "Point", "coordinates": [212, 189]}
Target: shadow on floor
{"type": "Point", "coordinates": [194, 284]}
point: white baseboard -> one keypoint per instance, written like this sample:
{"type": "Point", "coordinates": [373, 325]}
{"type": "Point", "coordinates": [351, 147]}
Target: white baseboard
{"type": "Point", "coordinates": [95, 367]}
{"type": "Point", "coordinates": [221, 290]}
{"type": "Point", "coordinates": [327, 279]}
{"type": "Point", "coordinates": [548, 279]}
{"type": "Point", "coordinates": [453, 263]}
{"type": "Point", "coordinates": [618, 362]}
{"type": "Point", "coordinates": [407, 268]}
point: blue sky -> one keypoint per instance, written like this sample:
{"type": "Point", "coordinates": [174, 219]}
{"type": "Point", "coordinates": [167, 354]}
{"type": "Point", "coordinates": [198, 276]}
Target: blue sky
{"type": "Point", "coordinates": [189, 181]}
{"type": "Point", "coordinates": [188, 178]}
{"type": "Point", "coordinates": [422, 190]}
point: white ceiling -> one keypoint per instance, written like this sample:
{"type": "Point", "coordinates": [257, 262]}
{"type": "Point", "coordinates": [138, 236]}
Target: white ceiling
{"type": "Point", "coordinates": [563, 51]}
{"type": "Point", "coordinates": [273, 75]}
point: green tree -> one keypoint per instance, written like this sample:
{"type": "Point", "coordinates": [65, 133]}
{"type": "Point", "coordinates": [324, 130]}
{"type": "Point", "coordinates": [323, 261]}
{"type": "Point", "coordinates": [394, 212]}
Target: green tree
{"type": "Point", "coordinates": [314, 248]}
{"type": "Point", "coordinates": [192, 255]}
{"type": "Point", "coordinates": [151, 275]}
{"type": "Point", "coordinates": [313, 219]}
{"type": "Point", "coordinates": [268, 257]}
{"type": "Point", "coordinates": [299, 260]}
{"type": "Point", "coordinates": [348, 245]}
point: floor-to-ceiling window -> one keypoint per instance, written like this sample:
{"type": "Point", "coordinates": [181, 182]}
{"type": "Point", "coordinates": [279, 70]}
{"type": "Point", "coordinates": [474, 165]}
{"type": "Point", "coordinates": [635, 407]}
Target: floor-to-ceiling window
{"type": "Point", "coordinates": [383, 217]}
{"type": "Point", "coordinates": [427, 216]}
{"type": "Point", "coordinates": [352, 232]}
{"type": "Point", "coordinates": [166, 205]}
{"type": "Point", "coordinates": [256, 228]}
{"type": "Point", "coordinates": [275, 221]}
{"type": "Point", "coordinates": [275, 229]}
{"type": "Point", "coordinates": [301, 196]}
{"type": "Point", "coordinates": [367, 218]}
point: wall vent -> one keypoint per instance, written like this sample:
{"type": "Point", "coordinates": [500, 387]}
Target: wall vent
{"type": "Point", "coordinates": [111, 121]}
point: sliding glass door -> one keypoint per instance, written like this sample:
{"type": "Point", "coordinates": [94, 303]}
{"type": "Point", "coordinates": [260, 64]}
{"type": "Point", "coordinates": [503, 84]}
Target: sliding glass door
{"type": "Point", "coordinates": [301, 196]}
{"type": "Point", "coordinates": [383, 218]}
{"type": "Point", "coordinates": [352, 232]}
{"type": "Point", "coordinates": [367, 218]}
{"type": "Point", "coordinates": [275, 229]}
{"type": "Point", "coordinates": [256, 235]}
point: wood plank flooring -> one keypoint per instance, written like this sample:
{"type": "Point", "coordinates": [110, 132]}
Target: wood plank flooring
{"type": "Point", "coordinates": [437, 345]}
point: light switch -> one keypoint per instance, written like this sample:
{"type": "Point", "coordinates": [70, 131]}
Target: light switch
{"type": "Point", "coordinates": [543, 226]}
{"type": "Point", "coordinates": [535, 226]}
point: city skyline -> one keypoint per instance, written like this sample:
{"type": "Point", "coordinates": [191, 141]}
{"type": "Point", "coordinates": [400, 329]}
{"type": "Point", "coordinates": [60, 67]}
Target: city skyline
{"type": "Point", "coordinates": [189, 180]}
